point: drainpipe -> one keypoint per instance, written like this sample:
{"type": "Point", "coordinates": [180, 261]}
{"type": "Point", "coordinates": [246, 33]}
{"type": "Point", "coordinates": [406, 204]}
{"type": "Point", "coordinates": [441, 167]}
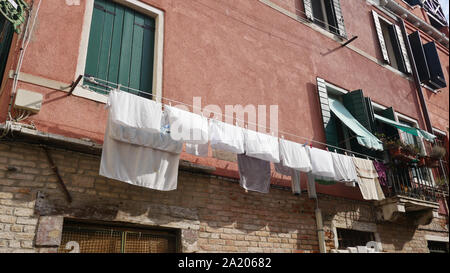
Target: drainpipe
{"type": "Point", "coordinates": [419, 90]}
{"type": "Point", "coordinates": [320, 231]}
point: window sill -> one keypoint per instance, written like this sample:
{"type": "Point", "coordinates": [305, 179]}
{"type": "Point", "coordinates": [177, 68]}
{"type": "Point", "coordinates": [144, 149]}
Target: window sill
{"type": "Point", "coordinates": [91, 95]}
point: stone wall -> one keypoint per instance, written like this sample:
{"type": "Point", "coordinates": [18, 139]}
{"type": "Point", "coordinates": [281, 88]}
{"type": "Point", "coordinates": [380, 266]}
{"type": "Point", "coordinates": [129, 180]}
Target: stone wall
{"type": "Point", "coordinates": [213, 214]}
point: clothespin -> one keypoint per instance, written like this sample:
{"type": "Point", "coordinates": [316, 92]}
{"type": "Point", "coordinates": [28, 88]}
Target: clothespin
{"type": "Point", "coordinates": [345, 152]}
{"type": "Point", "coordinates": [282, 136]}
{"type": "Point", "coordinates": [119, 87]}
{"type": "Point", "coordinates": [306, 143]}
{"type": "Point", "coordinates": [326, 148]}
{"type": "Point", "coordinates": [310, 145]}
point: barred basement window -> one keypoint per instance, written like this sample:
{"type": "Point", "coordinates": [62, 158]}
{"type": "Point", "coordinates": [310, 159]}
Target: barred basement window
{"type": "Point", "coordinates": [82, 237]}
{"type": "Point", "coordinates": [353, 238]}
{"type": "Point", "coordinates": [438, 247]}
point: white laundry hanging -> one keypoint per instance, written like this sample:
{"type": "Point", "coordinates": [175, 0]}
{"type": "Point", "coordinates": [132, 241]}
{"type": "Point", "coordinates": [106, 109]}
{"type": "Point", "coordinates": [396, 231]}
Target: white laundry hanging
{"type": "Point", "coordinates": [261, 146]}
{"type": "Point", "coordinates": [321, 163]}
{"type": "Point", "coordinates": [136, 155]}
{"type": "Point", "coordinates": [226, 137]}
{"type": "Point", "coordinates": [134, 111]}
{"type": "Point", "coordinates": [197, 149]}
{"type": "Point", "coordinates": [294, 156]}
{"type": "Point", "coordinates": [186, 126]}
{"type": "Point", "coordinates": [344, 168]}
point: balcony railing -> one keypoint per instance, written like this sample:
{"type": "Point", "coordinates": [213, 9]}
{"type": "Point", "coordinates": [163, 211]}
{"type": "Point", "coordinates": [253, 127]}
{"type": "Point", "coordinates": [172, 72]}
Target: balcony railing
{"type": "Point", "coordinates": [415, 182]}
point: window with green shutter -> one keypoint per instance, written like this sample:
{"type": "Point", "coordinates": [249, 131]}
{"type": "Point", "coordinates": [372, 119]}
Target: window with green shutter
{"type": "Point", "coordinates": [121, 48]}
{"type": "Point", "coordinates": [6, 35]}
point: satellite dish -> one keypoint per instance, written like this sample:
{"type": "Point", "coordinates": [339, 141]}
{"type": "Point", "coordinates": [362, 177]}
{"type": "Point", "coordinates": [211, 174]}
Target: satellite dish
{"type": "Point", "coordinates": [14, 11]}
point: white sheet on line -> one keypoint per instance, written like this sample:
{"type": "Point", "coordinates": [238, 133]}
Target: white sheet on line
{"type": "Point", "coordinates": [138, 150]}
{"type": "Point", "coordinates": [134, 111]}
{"type": "Point", "coordinates": [186, 126]}
{"type": "Point", "coordinates": [321, 163]}
{"type": "Point", "coordinates": [294, 156]}
{"type": "Point", "coordinates": [226, 137]}
{"type": "Point", "coordinates": [344, 168]}
{"type": "Point", "coordinates": [261, 146]}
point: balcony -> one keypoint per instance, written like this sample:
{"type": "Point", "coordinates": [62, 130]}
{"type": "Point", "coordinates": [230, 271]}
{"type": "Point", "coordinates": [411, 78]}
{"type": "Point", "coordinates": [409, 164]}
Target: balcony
{"type": "Point", "coordinates": [412, 193]}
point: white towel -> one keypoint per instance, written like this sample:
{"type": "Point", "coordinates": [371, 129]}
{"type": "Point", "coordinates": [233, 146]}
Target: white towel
{"type": "Point", "coordinates": [186, 126]}
{"type": "Point", "coordinates": [321, 163]}
{"type": "Point", "coordinates": [261, 146]}
{"type": "Point", "coordinates": [226, 137]}
{"type": "Point", "coordinates": [134, 111]}
{"type": "Point", "coordinates": [344, 168]}
{"type": "Point", "coordinates": [138, 165]}
{"type": "Point", "coordinates": [294, 156]}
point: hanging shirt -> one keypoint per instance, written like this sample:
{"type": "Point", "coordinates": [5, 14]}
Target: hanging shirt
{"type": "Point", "coordinates": [134, 111]}
{"type": "Point", "coordinates": [294, 155]}
{"type": "Point", "coordinates": [321, 164]}
{"type": "Point", "coordinates": [368, 179]}
{"type": "Point", "coordinates": [226, 137]}
{"type": "Point", "coordinates": [254, 173]}
{"type": "Point", "coordinates": [344, 168]}
{"type": "Point", "coordinates": [261, 146]}
{"type": "Point", "coordinates": [294, 174]}
{"type": "Point", "coordinates": [186, 126]}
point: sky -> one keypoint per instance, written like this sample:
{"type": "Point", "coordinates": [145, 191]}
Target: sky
{"type": "Point", "coordinates": [444, 4]}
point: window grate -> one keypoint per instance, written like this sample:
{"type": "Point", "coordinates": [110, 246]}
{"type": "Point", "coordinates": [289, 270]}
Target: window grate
{"type": "Point", "coordinates": [86, 238]}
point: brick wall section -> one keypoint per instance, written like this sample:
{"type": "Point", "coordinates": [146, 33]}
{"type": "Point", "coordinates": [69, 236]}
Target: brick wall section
{"type": "Point", "coordinates": [214, 214]}
{"type": "Point", "coordinates": [401, 236]}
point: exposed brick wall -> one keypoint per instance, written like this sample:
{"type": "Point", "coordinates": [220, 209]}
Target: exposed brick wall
{"type": "Point", "coordinates": [213, 214]}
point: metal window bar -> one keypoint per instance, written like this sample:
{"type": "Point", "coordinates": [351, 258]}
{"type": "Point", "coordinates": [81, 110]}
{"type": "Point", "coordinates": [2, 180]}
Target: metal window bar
{"type": "Point", "coordinates": [95, 239]}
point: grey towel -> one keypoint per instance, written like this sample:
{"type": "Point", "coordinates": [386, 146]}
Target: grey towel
{"type": "Point", "coordinates": [254, 173]}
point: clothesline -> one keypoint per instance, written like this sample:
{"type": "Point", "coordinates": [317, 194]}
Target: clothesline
{"type": "Point", "coordinates": [94, 81]}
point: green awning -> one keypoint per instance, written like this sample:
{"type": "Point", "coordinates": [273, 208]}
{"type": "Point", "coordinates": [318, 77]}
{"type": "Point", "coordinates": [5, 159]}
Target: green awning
{"type": "Point", "coordinates": [364, 136]}
{"type": "Point", "coordinates": [408, 129]}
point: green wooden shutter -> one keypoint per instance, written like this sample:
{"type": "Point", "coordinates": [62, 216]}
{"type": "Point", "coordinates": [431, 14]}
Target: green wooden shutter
{"type": "Point", "coordinates": [121, 47]}
{"type": "Point", "coordinates": [355, 102]}
{"type": "Point", "coordinates": [390, 131]}
{"type": "Point", "coordinates": [329, 120]}
{"type": "Point", "coordinates": [6, 35]}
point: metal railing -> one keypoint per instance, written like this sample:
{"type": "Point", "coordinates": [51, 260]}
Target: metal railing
{"type": "Point", "coordinates": [412, 181]}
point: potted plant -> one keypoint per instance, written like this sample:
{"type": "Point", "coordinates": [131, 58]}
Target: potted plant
{"type": "Point", "coordinates": [411, 151]}
{"type": "Point", "coordinates": [436, 154]}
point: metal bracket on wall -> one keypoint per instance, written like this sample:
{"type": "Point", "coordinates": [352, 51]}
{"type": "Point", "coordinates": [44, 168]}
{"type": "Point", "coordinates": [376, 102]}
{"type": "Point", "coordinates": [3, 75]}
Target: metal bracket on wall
{"type": "Point", "coordinates": [74, 85]}
{"type": "Point", "coordinates": [55, 170]}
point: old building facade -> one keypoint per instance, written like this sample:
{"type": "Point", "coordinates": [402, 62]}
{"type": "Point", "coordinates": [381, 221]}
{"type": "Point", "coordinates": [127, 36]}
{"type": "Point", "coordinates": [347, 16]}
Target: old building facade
{"type": "Point", "coordinates": [390, 57]}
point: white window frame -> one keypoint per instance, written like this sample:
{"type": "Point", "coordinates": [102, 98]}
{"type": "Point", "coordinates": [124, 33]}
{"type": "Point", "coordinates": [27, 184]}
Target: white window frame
{"type": "Point", "coordinates": [146, 9]}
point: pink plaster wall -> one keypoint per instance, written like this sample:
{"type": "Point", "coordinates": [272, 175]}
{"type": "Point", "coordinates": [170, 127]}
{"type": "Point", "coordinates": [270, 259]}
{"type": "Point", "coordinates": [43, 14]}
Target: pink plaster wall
{"type": "Point", "coordinates": [228, 52]}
